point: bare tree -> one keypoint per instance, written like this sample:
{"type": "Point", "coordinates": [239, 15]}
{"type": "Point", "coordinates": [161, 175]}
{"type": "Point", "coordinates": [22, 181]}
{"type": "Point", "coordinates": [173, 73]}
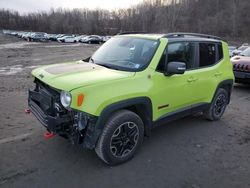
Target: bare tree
{"type": "Point", "coordinates": [230, 19]}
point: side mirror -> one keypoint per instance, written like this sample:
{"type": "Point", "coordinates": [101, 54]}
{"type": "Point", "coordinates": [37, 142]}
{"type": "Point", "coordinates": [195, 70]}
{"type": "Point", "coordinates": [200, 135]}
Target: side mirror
{"type": "Point", "coordinates": [175, 68]}
{"type": "Point", "coordinates": [86, 59]}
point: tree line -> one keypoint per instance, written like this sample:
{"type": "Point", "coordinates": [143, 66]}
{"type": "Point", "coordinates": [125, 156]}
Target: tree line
{"type": "Point", "coordinates": [228, 19]}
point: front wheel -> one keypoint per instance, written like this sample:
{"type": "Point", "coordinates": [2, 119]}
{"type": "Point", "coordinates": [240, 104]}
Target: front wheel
{"type": "Point", "coordinates": [218, 105]}
{"type": "Point", "coordinates": [121, 137]}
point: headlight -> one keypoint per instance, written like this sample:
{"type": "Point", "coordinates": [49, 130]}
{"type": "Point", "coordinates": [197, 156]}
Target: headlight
{"type": "Point", "coordinates": [65, 98]}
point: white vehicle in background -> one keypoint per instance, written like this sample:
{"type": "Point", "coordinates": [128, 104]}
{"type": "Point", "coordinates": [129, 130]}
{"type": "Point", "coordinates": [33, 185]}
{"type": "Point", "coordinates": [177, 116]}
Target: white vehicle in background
{"type": "Point", "coordinates": [14, 33]}
{"type": "Point", "coordinates": [80, 37]}
{"type": "Point", "coordinates": [68, 39]}
{"type": "Point", "coordinates": [20, 33]}
{"type": "Point", "coordinates": [240, 49]}
{"type": "Point", "coordinates": [105, 38]}
{"type": "Point", "coordinates": [6, 31]}
{"type": "Point", "coordinates": [27, 35]}
{"type": "Point", "coordinates": [231, 49]}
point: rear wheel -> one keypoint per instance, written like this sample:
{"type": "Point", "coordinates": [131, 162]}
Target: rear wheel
{"type": "Point", "coordinates": [218, 105]}
{"type": "Point", "coordinates": [121, 137]}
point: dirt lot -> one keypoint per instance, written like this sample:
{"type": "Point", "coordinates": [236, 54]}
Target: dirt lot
{"type": "Point", "coordinates": [188, 153]}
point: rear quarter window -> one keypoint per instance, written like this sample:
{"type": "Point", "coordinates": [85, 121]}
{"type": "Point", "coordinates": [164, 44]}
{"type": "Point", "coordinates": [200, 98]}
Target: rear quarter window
{"type": "Point", "coordinates": [207, 54]}
{"type": "Point", "coordinates": [210, 54]}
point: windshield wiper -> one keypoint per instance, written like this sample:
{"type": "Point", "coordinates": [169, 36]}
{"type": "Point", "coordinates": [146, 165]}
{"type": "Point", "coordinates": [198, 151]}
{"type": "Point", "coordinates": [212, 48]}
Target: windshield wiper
{"type": "Point", "coordinates": [109, 66]}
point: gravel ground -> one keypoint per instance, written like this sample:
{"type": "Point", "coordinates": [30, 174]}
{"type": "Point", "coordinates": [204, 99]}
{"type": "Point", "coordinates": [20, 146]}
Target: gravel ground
{"type": "Point", "coordinates": [188, 153]}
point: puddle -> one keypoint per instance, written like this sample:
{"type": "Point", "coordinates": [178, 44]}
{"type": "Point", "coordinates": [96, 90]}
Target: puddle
{"type": "Point", "coordinates": [33, 66]}
{"type": "Point", "coordinates": [15, 69]}
{"type": "Point", "coordinates": [11, 70]}
{"type": "Point", "coordinates": [37, 59]}
{"type": "Point", "coordinates": [63, 45]}
{"type": "Point", "coordinates": [17, 45]}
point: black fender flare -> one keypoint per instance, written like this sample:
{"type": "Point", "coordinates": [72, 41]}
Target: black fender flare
{"type": "Point", "coordinates": [226, 84]}
{"type": "Point", "coordinates": [143, 106]}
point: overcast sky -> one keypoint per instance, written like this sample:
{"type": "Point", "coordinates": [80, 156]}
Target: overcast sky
{"type": "Point", "coordinates": [24, 6]}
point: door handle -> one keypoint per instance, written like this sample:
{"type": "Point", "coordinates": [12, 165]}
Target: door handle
{"type": "Point", "coordinates": [195, 79]}
{"type": "Point", "coordinates": [218, 74]}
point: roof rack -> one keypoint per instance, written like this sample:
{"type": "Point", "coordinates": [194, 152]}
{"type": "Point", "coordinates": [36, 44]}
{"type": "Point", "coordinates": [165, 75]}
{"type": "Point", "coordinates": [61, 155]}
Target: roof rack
{"type": "Point", "coordinates": [178, 34]}
{"type": "Point", "coordinates": [132, 32]}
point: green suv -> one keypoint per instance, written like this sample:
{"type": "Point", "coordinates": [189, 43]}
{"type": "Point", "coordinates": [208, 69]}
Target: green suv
{"type": "Point", "coordinates": [131, 84]}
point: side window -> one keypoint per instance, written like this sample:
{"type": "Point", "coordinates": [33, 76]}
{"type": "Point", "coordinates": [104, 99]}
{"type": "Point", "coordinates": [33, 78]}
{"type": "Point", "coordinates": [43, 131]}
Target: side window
{"type": "Point", "coordinates": [207, 54]}
{"type": "Point", "coordinates": [180, 52]}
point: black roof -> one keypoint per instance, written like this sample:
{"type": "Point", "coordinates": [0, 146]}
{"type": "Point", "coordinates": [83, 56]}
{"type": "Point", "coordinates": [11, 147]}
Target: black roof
{"type": "Point", "coordinates": [180, 35]}
{"type": "Point", "coordinates": [183, 35]}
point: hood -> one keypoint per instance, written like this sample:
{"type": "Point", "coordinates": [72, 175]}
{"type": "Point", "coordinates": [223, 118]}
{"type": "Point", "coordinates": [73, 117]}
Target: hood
{"type": "Point", "coordinates": [240, 60]}
{"type": "Point", "coordinates": [72, 75]}
{"type": "Point", "coordinates": [241, 63]}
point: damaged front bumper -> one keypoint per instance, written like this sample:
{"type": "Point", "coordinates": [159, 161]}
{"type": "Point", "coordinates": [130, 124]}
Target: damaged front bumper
{"type": "Point", "coordinates": [50, 122]}
{"type": "Point", "coordinates": [79, 127]}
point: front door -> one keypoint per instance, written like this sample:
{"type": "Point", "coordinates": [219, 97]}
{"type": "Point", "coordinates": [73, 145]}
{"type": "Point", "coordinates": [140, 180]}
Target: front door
{"type": "Point", "coordinates": [175, 92]}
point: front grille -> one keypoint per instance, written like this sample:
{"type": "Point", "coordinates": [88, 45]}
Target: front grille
{"type": "Point", "coordinates": [47, 98]}
{"type": "Point", "coordinates": [241, 67]}
{"type": "Point", "coordinates": [44, 103]}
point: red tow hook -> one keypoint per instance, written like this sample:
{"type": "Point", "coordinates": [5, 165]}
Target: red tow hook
{"type": "Point", "coordinates": [48, 135]}
{"type": "Point", "coordinates": [27, 111]}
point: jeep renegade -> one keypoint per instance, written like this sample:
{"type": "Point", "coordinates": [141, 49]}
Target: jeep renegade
{"type": "Point", "coordinates": [241, 67]}
{"type": "Point", "coordinates": [131, 84]}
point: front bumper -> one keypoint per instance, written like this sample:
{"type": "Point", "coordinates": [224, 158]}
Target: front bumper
{"type": "Point", "coordinates": [242, 77]}
{"type": "Point", "coordinates": [51, 123]}
{"type": "Point", "coordinates": [79, 127]}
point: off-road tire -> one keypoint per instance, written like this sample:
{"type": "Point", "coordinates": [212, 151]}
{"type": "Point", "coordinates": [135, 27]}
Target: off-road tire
{"type": "Point", "coordinates": [104, 145]}
{"type": "Point", "coordinates": [213, 113]}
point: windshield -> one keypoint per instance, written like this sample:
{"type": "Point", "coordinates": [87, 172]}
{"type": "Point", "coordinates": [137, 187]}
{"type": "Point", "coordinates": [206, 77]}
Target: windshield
{"type": "Point", "coordinates": [246, 52]}
{"type": "Point", "coordinates": [125, 53]}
